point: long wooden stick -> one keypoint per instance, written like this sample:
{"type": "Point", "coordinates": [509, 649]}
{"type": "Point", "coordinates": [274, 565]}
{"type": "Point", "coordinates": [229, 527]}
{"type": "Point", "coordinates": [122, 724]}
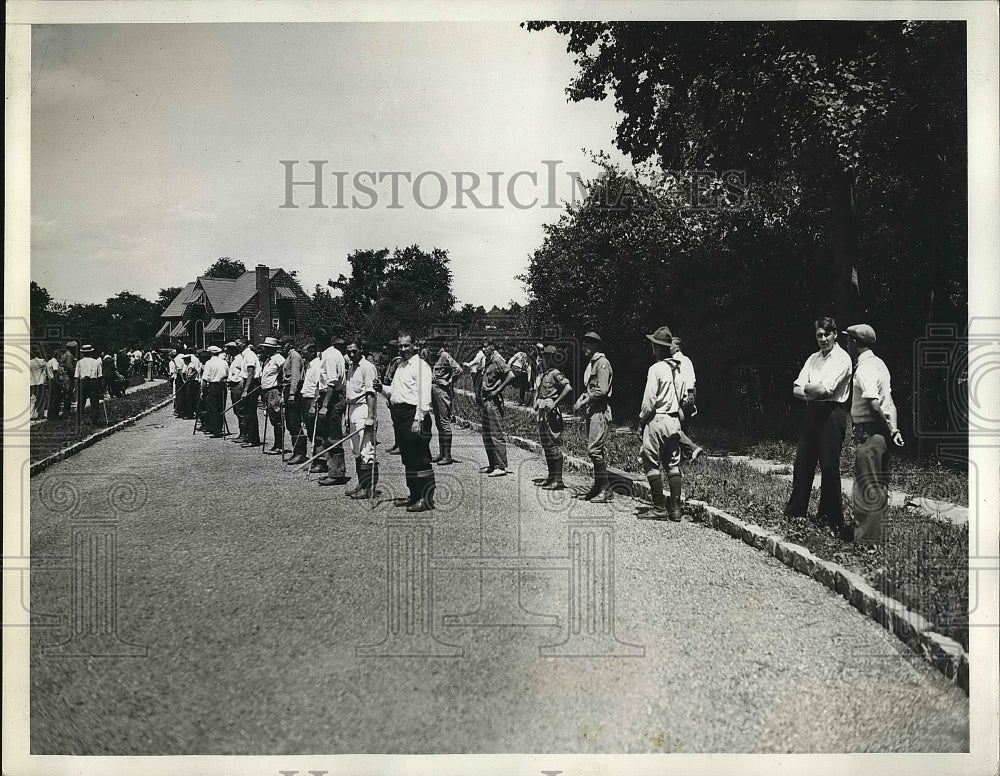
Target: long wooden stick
{"type": "Point", "coordinates": [335, 444]}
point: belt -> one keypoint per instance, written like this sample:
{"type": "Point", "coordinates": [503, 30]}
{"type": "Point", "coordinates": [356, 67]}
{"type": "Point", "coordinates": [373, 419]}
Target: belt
{"type": "Point", "coordinates": [671, 414]}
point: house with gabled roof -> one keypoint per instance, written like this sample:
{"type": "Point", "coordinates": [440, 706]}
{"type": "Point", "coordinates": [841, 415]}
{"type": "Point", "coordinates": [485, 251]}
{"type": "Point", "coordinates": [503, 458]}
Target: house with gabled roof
{"type": "Point", "coordinates": [261, 303]}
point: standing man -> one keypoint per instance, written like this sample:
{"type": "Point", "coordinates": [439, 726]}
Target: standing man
{"type": "Point", "coordinates": [518, 364]}
{"type": "Point", "coordinates": [179, 363]}
{"type": "Point", "coordinates": [551, 387]}
{"type": "Point", "coordinates": [251, 394]}
{"type": "Point", "coordinates": [360, 394]}
{"type": "Point", "coordinates": [445, 371]}
{"type": "Point", "coordinates": [824, 384]}
{"type": "Point", "coordinates": [594, 402]}
{"type": "Point", "coordinates": [271, 386]}
{"type": "Point", "coordinates": [475, 367]}
{"type": "Point", "coordinates": [873, 413]}
{"type": "Point", "coordinates": [234, 382]}
{"type": "Point", "coordinates": [410, 397]}
{"type": "Point", "coordinates": [660, 424]}
{"type": "Point", "coordinates": [213, 381]}
{"type": "Point", "coordinates": [496, 376]}
{"type": "Point", "coordinates": [293, 373]}
{"type": "Point", "coordinates": [67, 368]}
{"type": "Point", "coordinates": [310, 390]}
{"type": "Point", "coordinates": [688, 406]}
{"type": "Point", "coordinates": [88, 374]}
{"type": "Point", "coordinates": [330, 414]}
{"type": "Point", "coordinates": [55, 387]}
{"type": "Point", "coordinates": [36, 370]}
{"type": "Point", "coordinates": [390, 371]}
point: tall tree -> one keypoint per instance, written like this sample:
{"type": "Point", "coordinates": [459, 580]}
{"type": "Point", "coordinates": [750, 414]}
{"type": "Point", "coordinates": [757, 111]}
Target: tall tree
{"type": "Point", "coordinates": [226, 268]}
{"type": "Point", "coordinates": [167, 295]}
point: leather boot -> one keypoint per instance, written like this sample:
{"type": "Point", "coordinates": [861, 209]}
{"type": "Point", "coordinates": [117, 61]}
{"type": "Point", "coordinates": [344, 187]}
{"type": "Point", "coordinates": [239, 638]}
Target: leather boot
{"type": "Point", "coordinates": [543, 481]}
{"type": "Point", "coordinates": [658, 510]}
{"type": "Point", "coordinates": [440, 456]}
{"type": "Point", "coordinates": [364, 489]}
{"type": "Point", "coordinates": [604, 494]}
{"type": "Point", "coordinates": [555, 474]}
{"type": "Point", "coordinates": [446, 459]}
{"type": "Point", "coordinates": [361, 477]}
{"type": "Point", "coordinates": [675, 497]}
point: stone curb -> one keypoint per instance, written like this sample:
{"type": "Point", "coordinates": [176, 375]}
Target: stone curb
{"type": "Point", "coordinates": [944, 653]}
{"type": "Point", "coordinates": [97, 436]}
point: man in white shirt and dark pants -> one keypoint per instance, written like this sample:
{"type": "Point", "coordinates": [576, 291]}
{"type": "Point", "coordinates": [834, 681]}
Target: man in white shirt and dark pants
{"type": "Point", "coordinates": [360, 395]}
{"type": "Point", "coordinates": [213, 385]}
{"type": "Point", "coordinates": [824, 384]}
{"type": "Point", "coordinates": [271, 386]}
{"type": "Point", "coordinates": [873, 414]}
{"type": "Point", "coordinates": [331, 405]}
{"type": "Point", "coordinates": [88, 374]}
{"type": "Point", "coordinates": [410, 397]}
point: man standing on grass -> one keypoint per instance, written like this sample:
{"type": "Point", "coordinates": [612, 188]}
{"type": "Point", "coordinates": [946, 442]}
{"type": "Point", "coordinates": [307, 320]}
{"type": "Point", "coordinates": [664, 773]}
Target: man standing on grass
{"type": "Point", "coordinates": [475, 367]}
{"type": "Point", "coordinates": [497, 375]}
{"type": "Point", "coordinates": [660, 425]}
{"type": "Point", "coordinates": [824, 384]}
{"type": "Point", "coordinates": [551, 387]}
{"type": "Point", "coordinates": [445, 371]}
{"type": "Point", "coordinates": [597, 377]}
{"type": "Point", "coordinates": [873, 413]}
{"type": "Point", "coordinates": [410, 397]}
{"type": "Point", "coordinates": [518, 364]}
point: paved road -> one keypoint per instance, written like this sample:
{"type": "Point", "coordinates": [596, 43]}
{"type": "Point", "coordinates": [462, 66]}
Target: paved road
{"type": "Point", "coordinates": [252, 590]}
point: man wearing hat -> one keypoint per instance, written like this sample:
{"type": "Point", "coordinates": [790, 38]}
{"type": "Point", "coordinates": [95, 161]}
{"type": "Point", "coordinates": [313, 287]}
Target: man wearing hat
{"type": "Point", "coordinates": [445, 371]}
{"type": "Point", "coordinates": [214, 376]}
{"type": "Point", "coordinates": [67, 368]}
{"type": "Point", "coordinates": [873, 413]}
{"type": "Point", "coordinates": [824, 384]}
{"type": "Point", "coordinates": [597, 376]}
{"type": "Point", "coordinates": [310, 391]}
{"type": "Point", "coordinates": [551, 387]}
{"type": "Point", "coordinates": [292, 375]}
{"type": "Point", "coordinates": [251, 393]}
{"type": "Point", "coordinates": [360, 395]}
{"type": "Point", "coordinates": [496, 376]}
{"type": "Point", "coordinates": [271, 386]}
{"type": "Point", "coordinates": [88, 374]}
{"type": "Point", "coordinates": [331, 404]}
{"type": "Point", "coordinates": [234, 383]}
{"type": "Point", "coordinates": [178, 362]}
{"type": "Point", "coordinates": [660, 421]}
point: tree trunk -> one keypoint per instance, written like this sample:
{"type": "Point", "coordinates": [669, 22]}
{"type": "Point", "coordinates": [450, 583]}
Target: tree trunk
{"type": "Point", "coordinates": [844, 273]}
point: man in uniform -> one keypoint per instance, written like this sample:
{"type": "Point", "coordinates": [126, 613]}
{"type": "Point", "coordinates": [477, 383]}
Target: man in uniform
{"type": "Point", "coordinates": [293, 373]}
{"type": "Point", "coordinates": [88, 374]}
{"type": "Point", "coordinates": [309, 392]}
{"type": "Point", "coordinates": [496, 376]}
{"type": "Point", "coordinates": [597, 378]}
{"type": "Point", "coordinates": [271, 387]}
{"type": "Point", "coordinates": [330, 414]}
{"type": "Point", "coordinates": [390, 372]}
{"type": "Point", "coordinates": [251, 394]}
{"type": "Point", "coordinates": [824, 384]}
{"type": "Point", "coordinates": [214, 376]}
{"type": "Point", "coordinates": [688, 405]}
{"type": "Point", "coordinates": [551, 387]}
{"type": "Point", "coordinates": [660, 424]}
{"type": "Point", "coordinates": [445, 370]}
{"type": "Point", "coordinates": [360, 395]}
{"type": "Point", "coordinates": [410, 397]}
{"type": "Point", "coordinates": [873, 413]}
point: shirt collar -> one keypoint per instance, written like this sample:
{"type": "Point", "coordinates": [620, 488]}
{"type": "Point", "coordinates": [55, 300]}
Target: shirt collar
{"type": "Point", "coordinates": [597, 354]}
{"type": "Point", "coordinates": [866, 355]}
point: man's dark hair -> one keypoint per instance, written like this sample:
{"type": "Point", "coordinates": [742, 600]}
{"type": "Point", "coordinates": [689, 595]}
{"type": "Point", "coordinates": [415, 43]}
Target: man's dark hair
{"type": "Point", "coordinates": [286, 339]}
{"type": "Point", "coordinates": [353, 341]}
{"type": "Point", "coordinates": [323, 338]}
{"type": "Point", "coordinates": [826, 323]}
{"type": "Point", "coordinates": [405, 333]}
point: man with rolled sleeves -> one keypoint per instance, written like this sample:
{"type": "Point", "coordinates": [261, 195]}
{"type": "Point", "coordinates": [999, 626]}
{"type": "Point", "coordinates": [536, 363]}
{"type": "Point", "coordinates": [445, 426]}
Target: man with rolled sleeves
{"type": "Point", "coordinates": [410, 397]}
{"type": "Point", "coordinates": [310, 394]}
{"type": "Point", "coordinates": [234, 382]}
{"type": "Point", "coordinates": [873, 413]}
{"type": "Point", "coordinates": [271, 387]}
{"type": "Point", "coordinates": [824, 384]}
{"type": "Point", "coordinates": [360, 394]}
{"type": "Point", "coordinates": [496, 376]}
{"type": "Point", "coordinates": [551, 387]}
{"type": "Point", "coordinates": [214, 376]}
{"type": "Point", "coordinates": [88, 374]}
{"type": "Point", "coordinates": [445, 370]}
{"type": "Point", "coordinates": [660, 423]}
{"type": "Point", "coordinates": [251, 393]}
{"type": "Point", "coordinates": [390, 371]}
{"type": "Point", "coordinates": [594, 402]}
{"type": "Point", "coordinates": [292, 375]}
{"type": "Point", "coordinates": [331, 405]}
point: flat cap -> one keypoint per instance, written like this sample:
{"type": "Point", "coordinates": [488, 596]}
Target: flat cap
{"type": "Point", "coordinates": [862, 333]}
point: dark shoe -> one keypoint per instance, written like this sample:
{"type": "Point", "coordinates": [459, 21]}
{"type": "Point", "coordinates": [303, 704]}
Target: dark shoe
{"type": "Point", "coordinates": [604, 497]}
{"type": "Point", "coordinates": [318, 467]}
{"type": "Point", "coordinates": [216, 436]}
{"type": "Point", "coordinates": [403, 501]}
{"type": "Point", "coordinates": [655, 513]}
{"type": "Point", "coordinates": [421, 505]}
{"type": "Point", "coordinates": [542, 481]}
{"type": "Point", "coordinates": [328, 480]}
{"type": "Point", "coordinates": [250, 444]}
{"type": "Point", "coordinates": [296, 460]}
{"type": "Point", "coordinates": [394, 451]}
{"type": "Point", "coordinates": [438, 458]}
{"type": "Point", "coordinates": [238, 440]}
{"type": "Point", "coordinates": [554, 485]}
{"type": "Point", "coordinates": [360, 493]}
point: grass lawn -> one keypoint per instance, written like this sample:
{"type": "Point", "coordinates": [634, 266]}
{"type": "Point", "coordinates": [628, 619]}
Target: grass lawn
{"type": "Point", "coordinates": [51, 436]}
{"type": "Point", "coordinates": [923, 563]}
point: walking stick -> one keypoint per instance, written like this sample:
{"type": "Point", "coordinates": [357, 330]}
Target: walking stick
{"type": "Point", "coordinates": [197, 414]}
{"type": "Point", "coordinates": [335, 444]}
{"type": "Point", "coordinates": [105, 406]}
{"type": "Point", "coordinates": [371, 498]}
{"type": "Point", "coordinates": [315, 423]}
{"type": "Point", "coordinates": [225, 423]}
{"type": "Point", "coordinates": [263, 443]}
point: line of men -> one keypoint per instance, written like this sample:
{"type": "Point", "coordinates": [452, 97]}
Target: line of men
{"type": "Point", "coordinates": [56, 381]}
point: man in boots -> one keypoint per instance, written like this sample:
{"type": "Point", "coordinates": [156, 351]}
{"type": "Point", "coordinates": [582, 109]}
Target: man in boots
{"type": "Point", "coordinates": [293, 374]}
{"type": "Point", "coordinates": [660, 422]}
{"type": "Point", "coordinates": [360, 392]}
{"type": "Point", "coordinates": [496, 377]}
{"type": "Point", "coordinates": [594, 402]}
{"type": "Point", "coordinates": [310, 390]}
{"type": "Point", "coordinates": [330, 408]}
{"type": "Point", "coordinates": [551, 387]}
{"type": "Point", "coordinates": [445, 371]}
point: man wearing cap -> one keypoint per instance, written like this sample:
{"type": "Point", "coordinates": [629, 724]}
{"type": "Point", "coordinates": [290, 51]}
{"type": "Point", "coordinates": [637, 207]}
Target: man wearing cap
{"type": "Point", "coordinates": [310, 391]}
{"type": "Point", "coordinates": [293, 373]}
{"type": "Point", "coordinates": [67, 368]}
{"type": "Point", "coordinates": [598, 377]}
{"type": "Point", "coordinates": [271, 387]}
{"type": "Point", "coordinates": [331, 405]}
{"type": "Point", "coordinates": [688, 406]}
{"type": "Point", "coordinates": [551, 387]}
{"type": "Point", "coordinates": [214, 376]}
{"type": "Point", "coordinates": [234, 384]}
{"type": "Point", "coordinates": [660, 423]}
{"type": "Point", "coordinates": [88, 374]}
{"type": "Point", "coordinates": [496, 376]}
{"type": "Point", "coordinates": [873, 413]}
{"type": "Point", "coordinates": [445, 370]}
{"type": "Point", "coordinates": [824, 384]}
{"type": "Point", "coordinates": [251, 394]}
{"type": "Point", "coordinates": [360, 395]}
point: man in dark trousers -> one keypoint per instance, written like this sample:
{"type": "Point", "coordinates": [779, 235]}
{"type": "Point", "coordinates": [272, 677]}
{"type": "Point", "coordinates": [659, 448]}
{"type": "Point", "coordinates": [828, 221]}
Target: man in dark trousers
{"type": "Point", "coordinates": [445, 371]}
{"type": "Point", "coordinates": [824, 384]}
{"type": "Point", "coordinates": [213, 382]}
{"type": "Point", "coordinates": [89, 376]}
{"type": "Point", "coordinates": [67, 365]}
{"type": "Point", "coordinates": [594, 402]}
{"type": "Point", "coordinates": [293, 373]}
{"type": "Point", "coordinates": [496, 376]}
{"type": "Point", "coordinates": [393, 354]}
{"type": "Point", "coordinates": [551, 387]}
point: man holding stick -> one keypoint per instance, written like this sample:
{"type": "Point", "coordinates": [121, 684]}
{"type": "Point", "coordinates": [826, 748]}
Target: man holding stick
{"type": "Point", "coordinates": [271, 387]}
{"type": "Point", "coordinates": [594, 401]}
{"type": "Point", "coordinates": [234, 381]}
{"type": "Point", "coordinates": [310, 388]}
{"type": "Point", "coordinates": [496, 376]}
{"type": "Point", "coordinates": [251, 394]}
{"type": "Point", "coordinates": [551, 388]}
{"type": "Point", "coordinates": [213, 381]}
{"type": "Point", "coordinates": [330, 413]}
{"type": "Point", "coordinates": [360, 394]}
{"type": "Point", "coordinates": [293, 374]}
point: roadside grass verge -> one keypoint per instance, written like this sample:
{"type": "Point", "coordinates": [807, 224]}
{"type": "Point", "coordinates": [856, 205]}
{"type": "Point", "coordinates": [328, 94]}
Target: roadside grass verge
{"type": "Point", "coordinates": [50, 436]}
{"type": "Point", "coordinates": [923, 562]}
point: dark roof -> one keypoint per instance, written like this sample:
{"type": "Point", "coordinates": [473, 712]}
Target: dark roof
{"type": "Point", "coordinates": [176, 308]}
{"type": "Point", "coordinates": [242, 291]}
{"type": "Point", "coordinates": [217, 290]}
{"type": "Point", "coordinates": [226, 295]}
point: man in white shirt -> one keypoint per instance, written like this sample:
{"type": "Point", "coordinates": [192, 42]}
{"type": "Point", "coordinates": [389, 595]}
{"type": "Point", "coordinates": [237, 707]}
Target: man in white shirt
{"type": "Point", "coordinates": [36, 369]}
{"type": "Point", "coordinates": [178, 363]}
{"type": "Point", "coordinates": [214, 376]}
{"type": "Point", "coordinates": [55, 393]}
{"type": "Point", "coordinates": [659, 420]}
{"type": "Point", "coordinates": [251, 394]}
{"type": "Point", "coordinates": [310, 392]}
{"type": "Point", "coordinates": [824, 384]}
{"type": "Point", "coordinates": [360, 395]}
{"type": "Point", "coordinates": [475, 367]}
{"type": "Point", "coordinates": [271, 385]}
{"type": "Point", "coordinates": [88, 375]}
{"type": "Point", "coordinates": [330, 414]}
{"type": "Point", "coordinates": [234, 382]}
{"type": "Point", "coordinates": [873, 414]}
{"type": "Point", "coordinates": [410, 398]}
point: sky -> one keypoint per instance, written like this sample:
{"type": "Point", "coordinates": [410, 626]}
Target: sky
{"type": "Point", "coordinates": [157, 148]}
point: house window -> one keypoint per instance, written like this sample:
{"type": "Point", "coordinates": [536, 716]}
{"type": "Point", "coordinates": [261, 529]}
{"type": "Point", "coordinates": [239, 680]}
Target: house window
{"type": "Point", "coordinates": [246, 329]}
{"type": "Point", "coordinates": [291, 327]}
{"type": "Point", "coordinates": [275, 325]}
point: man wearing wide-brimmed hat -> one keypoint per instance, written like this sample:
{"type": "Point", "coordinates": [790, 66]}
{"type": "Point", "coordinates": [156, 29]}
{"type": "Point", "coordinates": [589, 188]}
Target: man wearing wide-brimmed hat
{"type": "Point", "coordinates": [594, 402]}
{"type": "Point", "coordinates": [551, 388]}
{"type": "Point", "coordinates": [660, 421]}
{"type": "Point", "coordinates": [214, 376]}
{"type": "Point", "coordinates": [271, 386]}
{"type": "Point", "coordinates": [88, 373]}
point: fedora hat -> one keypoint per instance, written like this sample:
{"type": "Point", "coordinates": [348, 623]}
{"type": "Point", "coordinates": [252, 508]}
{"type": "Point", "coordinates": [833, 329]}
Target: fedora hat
{"type": "Point", "coordinates": [661, 336]}
{"type": "Point", "coordinates": [593, 335]}
{"type": "Point", "coordinates": [269, 342]}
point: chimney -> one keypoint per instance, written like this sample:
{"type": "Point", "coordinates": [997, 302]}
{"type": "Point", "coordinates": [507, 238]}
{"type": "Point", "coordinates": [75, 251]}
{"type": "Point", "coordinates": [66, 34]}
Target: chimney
{"type": "Point", "coordinates": [264, 299]}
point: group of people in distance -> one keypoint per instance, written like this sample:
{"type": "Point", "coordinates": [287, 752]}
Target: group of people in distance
{"type": "Point", "coordinates": [324, 397]}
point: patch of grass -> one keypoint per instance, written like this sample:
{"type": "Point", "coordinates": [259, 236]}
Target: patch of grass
{"type": "Point", "coordinates": [923, 562]}
{"type": "Point", "coordinates": [51, 436]}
